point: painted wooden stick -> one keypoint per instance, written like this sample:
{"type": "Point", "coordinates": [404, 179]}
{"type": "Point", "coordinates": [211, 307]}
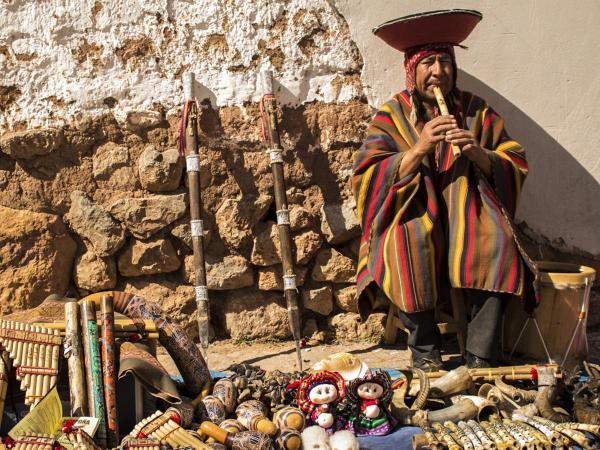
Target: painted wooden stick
{"type": "Point", "coordinates": [74, 355]}
{"type": "Point", "coordinates": [192, 159]}
{"type": "Point", "coordinates": [93, 367]}
{"type": "Point", "coordinates": [109, 372]}
{"type": "Point", "coordinates": [272, 139]}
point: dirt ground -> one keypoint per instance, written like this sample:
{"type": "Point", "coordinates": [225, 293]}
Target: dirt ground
{"type": "Point", "coordinates": [282, 355]}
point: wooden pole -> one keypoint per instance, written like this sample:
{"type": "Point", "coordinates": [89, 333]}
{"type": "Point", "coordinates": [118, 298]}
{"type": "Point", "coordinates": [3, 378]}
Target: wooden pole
{"type": "Point", "coordinates": [109, 372]}
{"type": "Point", "coordinates": [93, 367]}
{"type": "Point", "coordinates": [74, 354]}
{"type": "Point", "coordinates": [192, 160]}
{"type": "Point", "coordinates": [272, 140]}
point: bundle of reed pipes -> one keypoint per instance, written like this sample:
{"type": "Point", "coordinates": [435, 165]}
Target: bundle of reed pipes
{"type": "Point", "coordinates": [165, 428]}
{"type": "Point", "coordinates": [189, 147]}
{"type": "Point", "coordinates": [268, 107]}
{"type": "Point", "coordinates": [34, 441]}
{"type": "Point", "coordinates": [34, 352]}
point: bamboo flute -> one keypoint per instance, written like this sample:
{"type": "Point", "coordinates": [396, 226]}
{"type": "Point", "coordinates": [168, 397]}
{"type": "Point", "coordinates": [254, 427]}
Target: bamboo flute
{"type": "Point", "coordinates": [93, 367]}
{"type": "Point", "coordinates": [109, 373]}
{"type": "Point", "coordinates": [74, 355]}
{"type": "Point", "coordinates": [189, 123]}
{"type": "Point", "coordinates": [272, 140]}
{"type": "Point", "coordinates": [439, 97]}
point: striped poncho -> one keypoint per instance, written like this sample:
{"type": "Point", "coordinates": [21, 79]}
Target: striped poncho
{"type": "Point", "coordinates": [446, 224]}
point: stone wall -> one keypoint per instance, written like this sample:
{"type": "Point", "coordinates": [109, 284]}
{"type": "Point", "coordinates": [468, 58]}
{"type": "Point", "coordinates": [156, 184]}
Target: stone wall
{"type": "Point", "coordinates": [94, 190]}
{"type": "Point", "coordinates": [93, 194]}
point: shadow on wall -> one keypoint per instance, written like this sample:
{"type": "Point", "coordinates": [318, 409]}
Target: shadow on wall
{"type": "Point", "coordinates": [560, 197]}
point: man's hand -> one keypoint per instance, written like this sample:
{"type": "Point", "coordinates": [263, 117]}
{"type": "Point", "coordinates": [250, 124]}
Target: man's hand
{"type": "Point", "coordinates": [433, 133]}
{"type": "Point", "coordinates": [470, 148]}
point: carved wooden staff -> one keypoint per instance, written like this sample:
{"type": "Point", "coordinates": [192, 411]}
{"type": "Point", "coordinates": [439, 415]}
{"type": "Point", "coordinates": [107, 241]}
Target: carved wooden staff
{"type": "Point", "coordinates": [272, 140]}
{"type": "Point", "coordinates": [74, 355]}
{"type": "Point", "coordinates": [93, 367]}
{"type": "Point", "coordinates": [109, 373]}
{"type": "Point", "coordinates": [189, 146]}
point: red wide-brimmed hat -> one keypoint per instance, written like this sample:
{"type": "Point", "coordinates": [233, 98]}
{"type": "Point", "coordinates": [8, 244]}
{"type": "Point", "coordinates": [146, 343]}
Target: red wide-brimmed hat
{"type": "Point", "coordinates": [448, 26]}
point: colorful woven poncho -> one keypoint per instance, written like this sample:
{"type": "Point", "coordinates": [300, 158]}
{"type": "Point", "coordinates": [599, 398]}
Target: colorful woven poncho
{"type": "Point", "coordinates": [446, 224]}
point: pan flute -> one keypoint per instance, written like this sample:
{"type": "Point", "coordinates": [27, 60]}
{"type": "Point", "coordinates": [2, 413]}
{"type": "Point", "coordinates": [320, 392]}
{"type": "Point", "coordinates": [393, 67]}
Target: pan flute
{"type": "Point", "coordinates": [34, 442]}
{"type": "Point", "coordinates": [80, 440]}
{"type": "Point", "coordinates": [34, 352]}
{"type": "Point", "coordinates": [145, 444]}
{"type": "Point", "coordinates": [164, 428]}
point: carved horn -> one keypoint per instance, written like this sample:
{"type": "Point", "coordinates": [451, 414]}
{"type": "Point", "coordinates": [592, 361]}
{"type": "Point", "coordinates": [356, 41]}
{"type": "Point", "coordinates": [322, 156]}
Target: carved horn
{"type": "Point", "coordinates": [455, 381]}
{"type": "Point", "coordinates": [485, 408]}
{"type": "Point", "coordinates": [518, 395]}
{"type": "Point", "coordinates": [464, 409]}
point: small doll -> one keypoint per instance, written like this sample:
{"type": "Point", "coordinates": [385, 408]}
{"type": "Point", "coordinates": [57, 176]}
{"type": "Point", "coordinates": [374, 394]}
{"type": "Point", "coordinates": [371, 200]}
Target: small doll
{"type": "Point", "coordinates": [371, 397]}
{"type": "Point", "coordinates": [318, 394]}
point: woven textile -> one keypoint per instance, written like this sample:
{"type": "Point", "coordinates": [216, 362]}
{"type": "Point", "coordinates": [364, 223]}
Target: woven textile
{"type": "Point", "coordinates": [445, 224]}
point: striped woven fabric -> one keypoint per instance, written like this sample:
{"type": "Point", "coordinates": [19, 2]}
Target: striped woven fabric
{"type": "Point", "coordinates": [446, 224]}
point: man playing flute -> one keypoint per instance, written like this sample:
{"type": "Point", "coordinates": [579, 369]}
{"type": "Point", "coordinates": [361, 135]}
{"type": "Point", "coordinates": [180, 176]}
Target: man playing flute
{"type": "Point", "coordinates": [431, 220]}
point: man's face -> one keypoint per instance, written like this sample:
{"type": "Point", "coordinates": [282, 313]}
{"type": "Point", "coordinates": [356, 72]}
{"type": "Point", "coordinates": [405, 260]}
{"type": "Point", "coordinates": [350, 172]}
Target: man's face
{"type": "Point", "coordinates": [434, 70]}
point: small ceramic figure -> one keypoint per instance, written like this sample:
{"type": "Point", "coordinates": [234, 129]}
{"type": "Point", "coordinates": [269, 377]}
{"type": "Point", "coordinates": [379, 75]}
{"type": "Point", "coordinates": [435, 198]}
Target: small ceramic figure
{"type": "Point", "coordinates": [371, 396]}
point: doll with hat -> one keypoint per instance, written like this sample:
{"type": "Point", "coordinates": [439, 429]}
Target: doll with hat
{"type": "Point", "coordinates": [318, 395]}
{"type": "Point", "coordinates": [370, 396]}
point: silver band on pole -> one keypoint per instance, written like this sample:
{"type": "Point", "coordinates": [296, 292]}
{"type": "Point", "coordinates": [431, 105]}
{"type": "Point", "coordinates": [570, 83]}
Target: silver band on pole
{"type": "Point", "coordinates": [289, 283]}
{"type": "Point", "coordinates": [283, 216]}
{"type": "Point", "coordinates": [201, 293]}
{"type": "Point", "coordinates": [197, 228]}
{"type": "Point", "coordinates": [188, 86]}
{"type": "Point", "coordinates": [192, 163]}
{"type": "Point", "coordinates": [276, 155]}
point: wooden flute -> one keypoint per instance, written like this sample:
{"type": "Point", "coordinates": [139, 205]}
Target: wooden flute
{"type": "Point", "coordinates": [439, 97]}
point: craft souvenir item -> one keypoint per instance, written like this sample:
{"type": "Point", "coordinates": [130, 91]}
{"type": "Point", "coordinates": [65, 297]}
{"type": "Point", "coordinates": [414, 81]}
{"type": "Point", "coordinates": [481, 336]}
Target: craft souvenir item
{"type": "Point", "coordinates": [346, 364]}
{"type": "Point", "coordinates": [343, 440]}
{"type": "Point", "coordinates": [226, 391]}
{"type": "Point", "coordinates": [243, 440]}
{"type": "Point", "coordinates": [289, 418]}
{"type": "Point", "coordinates": [371, 396]}
{"type": "Point", "coordinates": [289, 440]}
{"type": "Point", "coordinates": [253, 415]}
{"type": "Point", "coordinates": [317, 395]}
{"type": "Point", "coordinates": [315, 437]}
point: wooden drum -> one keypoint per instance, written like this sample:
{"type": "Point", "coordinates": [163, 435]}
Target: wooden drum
{"type": "Point", "coordinates": [565, 294]}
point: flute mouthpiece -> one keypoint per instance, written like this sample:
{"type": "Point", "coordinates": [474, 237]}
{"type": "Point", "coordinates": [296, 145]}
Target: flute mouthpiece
{"type": "Point", "coordinates": [266, 82]}
{"type": "Point", "coordinates": [188, 86]}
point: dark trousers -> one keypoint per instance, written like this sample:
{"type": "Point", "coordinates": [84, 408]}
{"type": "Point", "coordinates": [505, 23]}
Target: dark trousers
{"type": "Point", "coordinates": [483, 330]}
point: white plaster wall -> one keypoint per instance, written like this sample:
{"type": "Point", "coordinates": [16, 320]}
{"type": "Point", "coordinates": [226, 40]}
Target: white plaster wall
{"type": "Point", "coordinates": [225, 42]}
{"type": "Point", "coordinates": [537, 62]}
